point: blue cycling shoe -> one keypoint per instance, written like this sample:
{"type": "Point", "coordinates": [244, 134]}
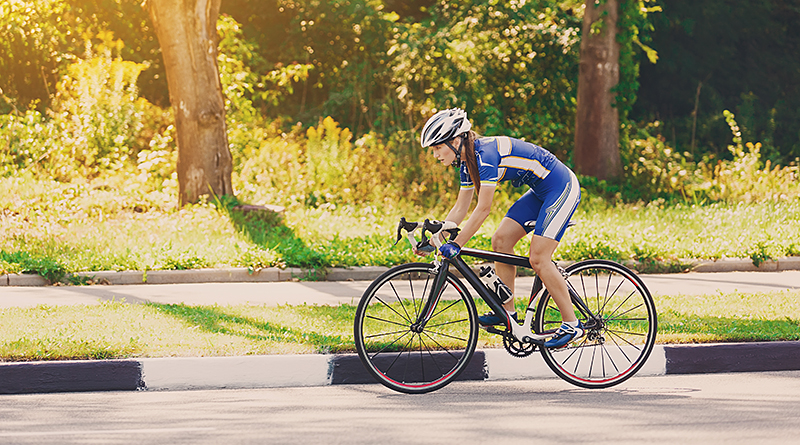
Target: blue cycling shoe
{"type": "Point", "coordinates": [491, 319]}
{"type": "Point", "coordinates": [564, 335]}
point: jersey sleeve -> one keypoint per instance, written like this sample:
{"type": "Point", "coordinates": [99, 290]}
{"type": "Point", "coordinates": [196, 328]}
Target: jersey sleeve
{"type": "Point", "coordinates": [466, 181]}
{"type": "Point", "coordinates": [488, 165]}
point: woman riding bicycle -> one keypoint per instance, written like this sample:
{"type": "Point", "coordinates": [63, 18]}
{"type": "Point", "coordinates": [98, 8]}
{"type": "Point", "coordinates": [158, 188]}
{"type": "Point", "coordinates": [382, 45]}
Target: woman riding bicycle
{"type": "Point", "coordinates": [552, 199]}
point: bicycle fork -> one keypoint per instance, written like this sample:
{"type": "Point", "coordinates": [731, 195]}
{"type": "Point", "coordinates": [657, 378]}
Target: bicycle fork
{"type": "Point", "coordinates": [441, 268]}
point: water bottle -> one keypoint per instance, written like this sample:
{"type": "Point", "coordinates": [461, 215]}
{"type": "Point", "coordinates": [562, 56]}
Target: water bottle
{"type": "Point", "coordinates": [495, 285]}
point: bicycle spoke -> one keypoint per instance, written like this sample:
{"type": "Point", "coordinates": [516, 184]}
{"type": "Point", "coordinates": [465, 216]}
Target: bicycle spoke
{"type": "Point", "coordinates": [371, 317]}
{"type": "Point", "coordinates": [614, 334]}
{"type": "Point", "coordinates": [608, 296]}
{"type": "Point", "coordinates": [610, 318]}
{"type": "Point", "coordinates": [432, 356]}
{"type": "Point", "coordinates": [446, 308]}
{"type": "Point", "coordinates": [385, 334]}
{"type": "Point", "coordinates": [625, 301]}
{"type": "Point", "coordinates": [399, 300]}
{"type": "Point", "coordinates": [591, 362]}
{"type": "Point", "coordinates": [447, 335]}
{"type": "Point", "coordinates": [411, 340]}
{"type": "Point", "coordinates": [628, 319]}
{"type": "Point", "coordinates": [447, 350]}
{"type": "Point", "coordinates": [428, 326]}
{"type": "Point", "coordinates": [611, 359]}
{"type": "Point", "coordinates": [621, 349]}
{"type": "Point", "coordinates": [618, 332]}
{"type": "Point", "coordinates": [390, 344]}
{"type": "Point", "coordinates": [393, 309]}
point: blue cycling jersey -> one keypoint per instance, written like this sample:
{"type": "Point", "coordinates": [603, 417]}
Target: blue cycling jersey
{"type": "Point", "coordinates": [501, 158]}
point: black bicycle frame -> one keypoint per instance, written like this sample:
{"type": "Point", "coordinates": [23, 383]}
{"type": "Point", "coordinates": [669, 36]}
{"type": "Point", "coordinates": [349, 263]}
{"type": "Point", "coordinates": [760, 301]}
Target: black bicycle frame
{"type": "Point", "coordinates": [469, 275]}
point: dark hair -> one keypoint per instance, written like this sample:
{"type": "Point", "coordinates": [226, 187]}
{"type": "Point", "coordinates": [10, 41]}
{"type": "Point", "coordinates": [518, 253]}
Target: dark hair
{"type": "Point", "coordinates": [468, 148]}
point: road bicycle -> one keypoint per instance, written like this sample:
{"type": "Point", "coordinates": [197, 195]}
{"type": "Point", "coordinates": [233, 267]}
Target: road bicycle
{"type": "Point", "coordinates": [416, 326]}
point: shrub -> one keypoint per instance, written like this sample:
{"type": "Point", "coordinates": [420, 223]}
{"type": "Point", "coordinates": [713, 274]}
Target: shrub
{"type": "Point", "coordinates": [654, 170]}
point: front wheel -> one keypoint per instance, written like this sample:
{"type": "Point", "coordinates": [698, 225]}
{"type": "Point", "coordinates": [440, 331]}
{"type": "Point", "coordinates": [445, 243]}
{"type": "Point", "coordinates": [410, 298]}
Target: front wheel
{"type": "Point", "coordinates": [620, 336]}
{"type": "Point", "coordinates": [395, 350]}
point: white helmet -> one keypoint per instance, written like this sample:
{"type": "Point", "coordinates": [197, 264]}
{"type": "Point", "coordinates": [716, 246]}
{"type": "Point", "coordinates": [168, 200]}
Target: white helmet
{"type": "Point", "coordinates": [443, 126]}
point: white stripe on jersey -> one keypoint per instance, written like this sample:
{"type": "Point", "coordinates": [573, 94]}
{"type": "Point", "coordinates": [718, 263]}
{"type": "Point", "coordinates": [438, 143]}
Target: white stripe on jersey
{"type": "Point", "coordinates": [525, 164]}
{"type": "Point", "coordinates": [503, 145]}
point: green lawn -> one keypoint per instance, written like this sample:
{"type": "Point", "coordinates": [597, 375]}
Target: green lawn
{"type": "Point", "coordinates": [55, 228]}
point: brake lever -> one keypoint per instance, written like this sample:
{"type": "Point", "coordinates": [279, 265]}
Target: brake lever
{"type": "Point", "coordinates": [436, 228]}
{"type": "Point", "coordinates": [409, 227]}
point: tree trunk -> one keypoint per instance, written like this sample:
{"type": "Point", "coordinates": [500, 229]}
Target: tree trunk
{"type": "Point", "coordinates": [597, 121]}
{"type": "Point", "coordinates": [187, 34]}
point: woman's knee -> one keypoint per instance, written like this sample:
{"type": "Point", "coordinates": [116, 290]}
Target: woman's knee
{"type": "Point", "coordinates": [503, 242]}
{"type": "Point", "coordinates": [538, 262]}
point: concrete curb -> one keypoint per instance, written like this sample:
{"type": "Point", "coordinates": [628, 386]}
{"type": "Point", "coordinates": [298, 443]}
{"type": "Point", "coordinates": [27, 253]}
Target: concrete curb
{"type": "Point", "coordinates": [273, 371]}
{"type": "Point", "coordinates": [367, 273]}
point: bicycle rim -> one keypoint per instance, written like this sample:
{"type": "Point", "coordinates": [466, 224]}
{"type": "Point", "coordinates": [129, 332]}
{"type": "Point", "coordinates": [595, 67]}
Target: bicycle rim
{"type": "Point", "coordinates": [617, 346]}
{"type": "Point", "coordinates": [393, 352]}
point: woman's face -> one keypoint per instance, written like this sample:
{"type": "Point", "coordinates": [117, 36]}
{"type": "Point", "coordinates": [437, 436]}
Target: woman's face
{"type": "Point", "coordinates": [443, 153]}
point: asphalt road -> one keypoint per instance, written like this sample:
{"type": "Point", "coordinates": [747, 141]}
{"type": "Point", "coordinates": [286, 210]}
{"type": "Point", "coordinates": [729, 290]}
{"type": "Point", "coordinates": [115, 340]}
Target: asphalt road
{"type": "Point", "coordinates": [349, 291]}
{"type": "Point", "coordinates": [720, 408]}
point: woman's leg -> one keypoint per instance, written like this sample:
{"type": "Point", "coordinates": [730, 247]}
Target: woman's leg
{"type": "Point", "coordinates": [508, 234]}
{"type": "Point", "coordinates": [542, 262]}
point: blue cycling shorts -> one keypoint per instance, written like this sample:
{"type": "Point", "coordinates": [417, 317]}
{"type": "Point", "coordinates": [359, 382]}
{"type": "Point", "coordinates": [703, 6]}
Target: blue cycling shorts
{"type": "Point", "coordinates": [551, 205]}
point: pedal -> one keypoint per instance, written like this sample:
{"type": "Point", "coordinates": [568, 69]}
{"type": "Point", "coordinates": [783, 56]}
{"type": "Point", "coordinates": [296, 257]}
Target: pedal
{"type": "Point", "coordinates": [493, 330]}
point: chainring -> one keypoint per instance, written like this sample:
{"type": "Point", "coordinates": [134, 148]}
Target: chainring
{"type": "Point", "coordinates": [517, 348]}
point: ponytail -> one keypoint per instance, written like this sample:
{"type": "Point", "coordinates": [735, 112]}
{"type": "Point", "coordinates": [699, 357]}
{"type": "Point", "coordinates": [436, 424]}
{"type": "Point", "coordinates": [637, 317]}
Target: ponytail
{"type": "Point", "coordinates": [468, 147]}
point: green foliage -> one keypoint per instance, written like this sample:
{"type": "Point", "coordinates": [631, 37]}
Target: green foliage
{"type": "Point", "coordinates": [38, 263]}
{"type": "Point", "coordinates": [654, 170]}
{"type": "Point", "coordinates": [513, 65]}
{"type": "Point", "coordinates": [217, 320]}
{"type": "Point", "coordinates": [633, 29]}
{"type": "Point", "coordinates": [716, 57]}
{"type": "Point", "coordinates": [97, 124]}
{"type": "Point", "coordinates": [375, 74]}
{"type": "Point", "coordinates": [32, 40]}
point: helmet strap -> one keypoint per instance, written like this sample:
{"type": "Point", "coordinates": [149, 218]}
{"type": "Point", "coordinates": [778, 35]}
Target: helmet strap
{"type": "Point", "coordinates": [457, 162]}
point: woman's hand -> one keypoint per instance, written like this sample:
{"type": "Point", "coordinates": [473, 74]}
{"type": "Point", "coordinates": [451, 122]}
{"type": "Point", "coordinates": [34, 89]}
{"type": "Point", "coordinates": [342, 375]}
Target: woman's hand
{"type": "Point", "coordinates": [424, 251]}
{"type": "Point", "coordinates": [450, 250]}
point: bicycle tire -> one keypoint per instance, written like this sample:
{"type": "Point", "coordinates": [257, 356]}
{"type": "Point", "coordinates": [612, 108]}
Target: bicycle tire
{"type": "Point", "coordinates": [393, 352]}
{"type": "Point", "coordinates": [615, 349]}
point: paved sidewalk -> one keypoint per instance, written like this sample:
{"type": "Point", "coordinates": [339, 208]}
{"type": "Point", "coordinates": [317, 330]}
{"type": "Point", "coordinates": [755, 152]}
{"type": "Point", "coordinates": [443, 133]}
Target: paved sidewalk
{"type": "Point", "coordinates": [331, 293]}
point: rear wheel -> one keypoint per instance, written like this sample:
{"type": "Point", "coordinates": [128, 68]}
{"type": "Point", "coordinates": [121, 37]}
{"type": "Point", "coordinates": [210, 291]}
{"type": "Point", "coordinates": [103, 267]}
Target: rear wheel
{"type": "Point", "coordinates": [401, 355]}
{"type": "Point", "coordinates": [618, 340]}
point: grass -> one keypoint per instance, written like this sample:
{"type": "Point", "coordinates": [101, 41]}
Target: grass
{"type": "Point", "coordinates": [120, 330]}
{"type": "Point", "coordinates": [55, 229]}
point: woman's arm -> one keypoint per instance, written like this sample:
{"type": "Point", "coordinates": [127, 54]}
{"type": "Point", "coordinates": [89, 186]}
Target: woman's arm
{"type": "Point", "coordinates": [461, 207]}
{"type": "Point", "coordinates": [478, 216]}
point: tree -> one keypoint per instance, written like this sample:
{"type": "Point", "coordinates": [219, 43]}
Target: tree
{"type": "Point", "coordinates": [597, 120]}
{"type": "Point", "coordinates": [188, 38]}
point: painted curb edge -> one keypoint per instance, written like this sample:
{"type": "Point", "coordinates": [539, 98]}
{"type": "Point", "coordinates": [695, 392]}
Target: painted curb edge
{"type": "Point", "coordinates": [187, 373]}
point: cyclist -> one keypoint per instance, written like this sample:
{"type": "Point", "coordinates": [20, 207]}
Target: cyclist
{"type": "Point", "coordinates": [552, 199]}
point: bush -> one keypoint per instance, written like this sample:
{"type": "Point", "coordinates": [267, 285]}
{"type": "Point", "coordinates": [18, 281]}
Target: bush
{"type": "Point", "coordinates": [654, 170]}
{"type": "Point", "coordinates": [98, 123]}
